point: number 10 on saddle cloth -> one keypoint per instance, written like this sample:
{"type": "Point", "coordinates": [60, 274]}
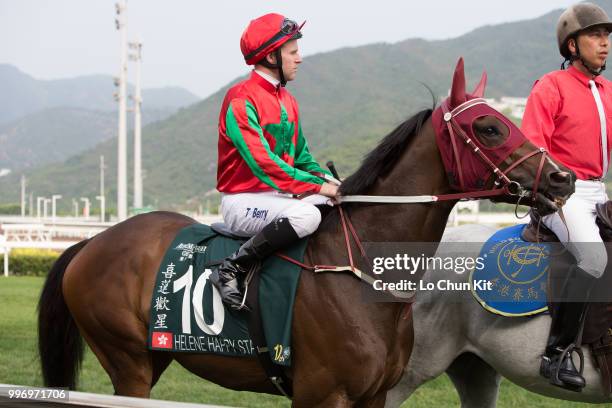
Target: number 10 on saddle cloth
{"type": "Point", "coordinates": [187, 314]}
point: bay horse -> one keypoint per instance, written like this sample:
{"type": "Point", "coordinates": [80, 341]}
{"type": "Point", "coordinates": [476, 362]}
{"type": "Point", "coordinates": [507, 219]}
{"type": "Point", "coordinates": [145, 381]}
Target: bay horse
{"type": "Point", "coordinates": [476, 347]}
{"type": "Point", "coordinates": [345, 352]}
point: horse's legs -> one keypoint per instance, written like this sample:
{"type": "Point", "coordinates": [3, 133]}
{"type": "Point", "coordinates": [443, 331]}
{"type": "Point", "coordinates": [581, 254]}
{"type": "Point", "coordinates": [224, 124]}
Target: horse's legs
{"type": "Point", "coordinates": [130, 371]}
{"type": "Point", "coordinates": [337, 399]}
{"type": "Point", "coordinates": [122, 352]}
{"type": "Point", "coordinates": [378, 401]}
{"type": "Point", "coordinates": [429, 359]}
{"type": "Point", "coordinates": [412, 379]}
{"type": "Point", "coordinates": [401, 392]}
{"type": "Point", "coordinates": [134, 378]}
{"type": "Point", "coordinates": [476, 381]}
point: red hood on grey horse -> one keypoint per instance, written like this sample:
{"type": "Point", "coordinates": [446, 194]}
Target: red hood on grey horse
{"type": "Point", "coordinates": [474, 160]}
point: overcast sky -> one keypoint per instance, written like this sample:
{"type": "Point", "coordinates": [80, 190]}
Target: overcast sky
{"type": "Point", "coordinates": [195, 43]}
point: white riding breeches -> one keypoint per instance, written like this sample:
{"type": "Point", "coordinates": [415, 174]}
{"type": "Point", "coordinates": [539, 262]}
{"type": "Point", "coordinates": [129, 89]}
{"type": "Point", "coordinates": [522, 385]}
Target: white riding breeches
{"type": "Point", "coordinates": [245, 214]}
{"type": "Point", "coordinates": [584, 241]}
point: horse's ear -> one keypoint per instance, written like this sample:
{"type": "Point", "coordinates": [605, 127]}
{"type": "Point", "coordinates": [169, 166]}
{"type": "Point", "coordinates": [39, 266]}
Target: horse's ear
{"type": "Point", "coordinates": [480, 88]}
{"type": "Point", "coordinates": [457, 95]}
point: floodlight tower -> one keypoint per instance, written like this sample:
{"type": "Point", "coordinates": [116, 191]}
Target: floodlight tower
{"type": "Point", "coordinates": [121, 24]}
{"type": "Point", "coordinates": [136, 56]}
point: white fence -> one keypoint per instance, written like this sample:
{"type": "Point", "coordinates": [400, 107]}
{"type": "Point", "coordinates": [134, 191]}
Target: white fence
{"type": "Point", "coordinates": [7, 246]}
{"type": "Point", "coordinates": [17, 232]}
{"type": "Point", "coordinates": [42, 236]}
{"type": "Point", "coordinates": [46, 233]}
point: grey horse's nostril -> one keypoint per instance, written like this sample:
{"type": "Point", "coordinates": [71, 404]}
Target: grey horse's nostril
{"type": "Point", "coordinates": [561, 177]}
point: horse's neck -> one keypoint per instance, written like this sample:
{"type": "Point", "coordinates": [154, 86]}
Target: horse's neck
{"type": "Point", "coordinates": [419, 171]}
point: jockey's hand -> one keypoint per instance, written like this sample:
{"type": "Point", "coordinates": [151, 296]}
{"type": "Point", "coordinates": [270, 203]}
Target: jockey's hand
{"type": "Point", "coordinates": [329, 190]}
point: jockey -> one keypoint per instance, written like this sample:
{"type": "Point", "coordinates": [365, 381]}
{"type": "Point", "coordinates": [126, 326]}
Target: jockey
{"type": "Point", "coordinates": [264, 159]}
{"type": "Point", "coordinates": [569, 112]}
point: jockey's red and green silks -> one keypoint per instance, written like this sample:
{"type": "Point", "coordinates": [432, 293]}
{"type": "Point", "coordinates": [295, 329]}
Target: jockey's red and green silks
{"type": "Point", "coordinates": [261, 145]}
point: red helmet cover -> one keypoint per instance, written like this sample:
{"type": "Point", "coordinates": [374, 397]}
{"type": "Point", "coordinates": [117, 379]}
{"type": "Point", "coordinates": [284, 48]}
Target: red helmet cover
{"type": "Point", "coordinates": [260, 31]}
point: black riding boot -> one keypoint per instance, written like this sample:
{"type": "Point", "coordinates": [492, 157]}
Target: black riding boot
{"type": "Point", "coordinates": [566, 328]}
{"type": "Point", "coordinates": [276, 235]}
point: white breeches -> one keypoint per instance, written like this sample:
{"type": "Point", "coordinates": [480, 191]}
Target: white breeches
{"type": "Point", "coordinates": [584, 241]}
{"type": "Point", "coordinates": [246, 214]}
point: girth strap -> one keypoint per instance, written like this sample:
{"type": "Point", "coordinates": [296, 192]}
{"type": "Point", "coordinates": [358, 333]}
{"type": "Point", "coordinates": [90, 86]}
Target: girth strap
{"type": "Point", "coordinates": [602, 351]}
{"type": "Point", "coordinates": [274, 372]}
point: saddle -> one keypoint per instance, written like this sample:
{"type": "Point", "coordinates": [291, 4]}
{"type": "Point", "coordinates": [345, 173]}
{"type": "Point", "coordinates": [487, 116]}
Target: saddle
{"type": "Point", "coordinates": [598, 323]}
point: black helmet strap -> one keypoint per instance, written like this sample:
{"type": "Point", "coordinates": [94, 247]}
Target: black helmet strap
{"type": "Point", "coordinates": [278, 65]}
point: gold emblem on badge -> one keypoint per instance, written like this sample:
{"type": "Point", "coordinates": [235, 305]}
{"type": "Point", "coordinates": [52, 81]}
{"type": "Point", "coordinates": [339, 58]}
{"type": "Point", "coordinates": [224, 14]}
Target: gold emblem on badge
{"type": "Point", "coordinates": [522, 263]}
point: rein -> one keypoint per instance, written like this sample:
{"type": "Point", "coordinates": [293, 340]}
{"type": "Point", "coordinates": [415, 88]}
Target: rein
{"type": "Point", "coordinates": [428, 198]}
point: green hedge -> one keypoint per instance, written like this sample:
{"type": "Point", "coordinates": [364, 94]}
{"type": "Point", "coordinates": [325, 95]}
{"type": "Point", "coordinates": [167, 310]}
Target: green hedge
{"type": "Point", "coordinates": [10, 209]}
{"type": "Point", "coordinates": [31, 262]}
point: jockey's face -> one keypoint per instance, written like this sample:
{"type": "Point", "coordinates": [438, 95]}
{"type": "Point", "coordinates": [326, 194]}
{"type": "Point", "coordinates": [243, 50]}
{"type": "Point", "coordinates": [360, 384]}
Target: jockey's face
{"type": "Point", "coordinates": [290, 54]}
{"type": "Point", "coordinates": [593, 45]}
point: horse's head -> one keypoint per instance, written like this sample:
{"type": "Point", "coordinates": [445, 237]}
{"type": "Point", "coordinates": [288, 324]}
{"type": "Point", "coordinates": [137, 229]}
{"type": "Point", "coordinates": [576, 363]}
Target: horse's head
{"type": "Point", "coordinates": [482, 149]}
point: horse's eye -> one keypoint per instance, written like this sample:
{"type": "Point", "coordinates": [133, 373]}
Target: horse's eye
{"type": "Point", "coordinates": [491, 131]}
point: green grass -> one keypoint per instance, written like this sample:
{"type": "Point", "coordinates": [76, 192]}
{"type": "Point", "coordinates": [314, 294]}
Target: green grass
{"type": "Point", "coordinates": [19, 365]}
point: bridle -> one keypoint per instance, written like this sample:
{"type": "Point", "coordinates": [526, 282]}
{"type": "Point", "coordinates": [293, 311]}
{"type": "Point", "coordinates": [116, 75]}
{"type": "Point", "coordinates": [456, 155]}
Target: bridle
{"type": "Point", "coordinates": [502, 184]}
{"type": "Point", "coordinates": [501, 176]}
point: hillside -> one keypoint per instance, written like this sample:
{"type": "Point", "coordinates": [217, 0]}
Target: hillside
{"type": "Point", "coordinates": [54, 134]}
{"type": "Point", "coordinates": [23, 95]}
{"type": "Point", "coordinates": [349, 99]}
{"type": "Point", "coordinates": [42, 122]}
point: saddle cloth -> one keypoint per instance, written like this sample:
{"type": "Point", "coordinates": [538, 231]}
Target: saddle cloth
{"type": "Point", "coordinates": [187, 314]}
{"type": "Point", "coordinates": [518, 272]}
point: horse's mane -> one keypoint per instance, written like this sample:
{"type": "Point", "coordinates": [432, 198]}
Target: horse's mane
{"type": "Point", "coordinates": [376, 164]}
{"type": "Point", "coordinates": [384, 157]}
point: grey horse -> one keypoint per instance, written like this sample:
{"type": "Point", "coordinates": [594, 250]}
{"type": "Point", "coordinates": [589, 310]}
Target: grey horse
{"type": "Point", "coordinates": [454, 334]}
